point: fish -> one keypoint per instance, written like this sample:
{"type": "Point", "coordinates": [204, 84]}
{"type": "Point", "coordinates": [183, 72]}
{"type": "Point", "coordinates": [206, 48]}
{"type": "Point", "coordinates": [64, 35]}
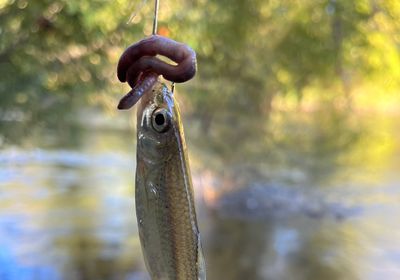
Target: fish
{"type": "Point", "coordinates": [165, 206]}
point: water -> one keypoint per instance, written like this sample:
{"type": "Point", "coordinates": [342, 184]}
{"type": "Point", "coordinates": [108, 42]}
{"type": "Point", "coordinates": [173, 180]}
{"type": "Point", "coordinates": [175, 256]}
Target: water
{"type": "Point", "coordinates": [302, 196]}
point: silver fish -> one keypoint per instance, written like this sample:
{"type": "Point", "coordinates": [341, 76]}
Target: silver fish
{"type": "Point", "coordinates": [165, 206]}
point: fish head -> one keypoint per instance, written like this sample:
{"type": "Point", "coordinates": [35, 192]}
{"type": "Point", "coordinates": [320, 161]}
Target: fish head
{"type": "Point", "coordinates": [158, 124]}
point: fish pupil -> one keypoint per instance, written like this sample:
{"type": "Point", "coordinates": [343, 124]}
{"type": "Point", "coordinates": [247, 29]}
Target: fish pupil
{"type": "Point", "coordinates": [159, 119]}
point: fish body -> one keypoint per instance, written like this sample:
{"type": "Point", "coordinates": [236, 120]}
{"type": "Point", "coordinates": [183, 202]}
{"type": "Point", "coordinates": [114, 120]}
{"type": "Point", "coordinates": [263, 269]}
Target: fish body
{"type": "Point", "coordinates": [165, 207]}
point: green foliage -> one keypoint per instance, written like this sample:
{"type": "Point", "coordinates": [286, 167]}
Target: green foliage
{"type": "Point", "coordinates": [55, 55]}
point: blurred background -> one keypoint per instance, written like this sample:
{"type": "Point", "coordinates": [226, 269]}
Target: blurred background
{"type": "Point", "coordinates": [292, 124]}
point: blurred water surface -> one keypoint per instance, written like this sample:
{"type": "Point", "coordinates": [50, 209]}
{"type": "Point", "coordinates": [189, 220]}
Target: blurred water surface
{"type": "Point", "coordinates": [303, 196]}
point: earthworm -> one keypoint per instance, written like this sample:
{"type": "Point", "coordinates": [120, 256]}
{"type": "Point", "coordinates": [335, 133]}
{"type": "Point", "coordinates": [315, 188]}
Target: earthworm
{"type": "Point", "coordinates": [140, 67]}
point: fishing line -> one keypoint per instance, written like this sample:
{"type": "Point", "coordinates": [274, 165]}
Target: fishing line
{"type": "Point", "coordinates": [155, 20]}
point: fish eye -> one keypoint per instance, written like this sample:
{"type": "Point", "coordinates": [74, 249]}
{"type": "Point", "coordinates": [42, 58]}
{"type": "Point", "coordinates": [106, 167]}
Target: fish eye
{"type": "Point", "coordinates": [161, 120]}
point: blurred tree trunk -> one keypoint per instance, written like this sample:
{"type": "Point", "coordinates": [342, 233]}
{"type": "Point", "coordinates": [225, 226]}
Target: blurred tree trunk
{"type": "Point", "coordinates": [337, 36]}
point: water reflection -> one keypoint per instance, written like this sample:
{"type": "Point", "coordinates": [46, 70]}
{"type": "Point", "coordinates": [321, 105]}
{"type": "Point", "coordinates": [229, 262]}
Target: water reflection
{"type": "Point", "coordinates": [275, 249]}
{"type": "Point", "coordinates": [295, 146]}
{"type": "Point", "coordinates": [311, 196]}
{"type": "Point", "coordinates": [314, 203]}
{"type": "Point", "coordinates": [235, 248]}
{"type": "Point", "coordinates": [69, 214]}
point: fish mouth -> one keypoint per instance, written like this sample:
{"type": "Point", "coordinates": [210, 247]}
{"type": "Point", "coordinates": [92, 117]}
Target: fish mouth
{"type": "Point", "coordinates": [159, 97]}
{"type": "Point", "coordinates": [162, 96]}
